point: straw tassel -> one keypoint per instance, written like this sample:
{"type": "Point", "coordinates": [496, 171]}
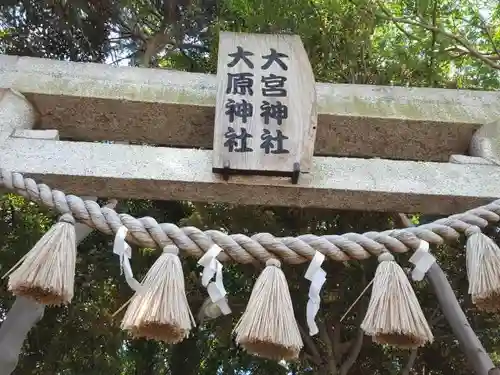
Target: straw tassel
{"type": "Point", "coordinates": [394, 316]}
{"type": "Point", "coordinates": [483, 270]}
{"type": "Point", "coordinates": [47, 272]}
{"type": "Point", "coordinates": [268, 328]}
{"type": "Point", "coordinates": [159, 310]}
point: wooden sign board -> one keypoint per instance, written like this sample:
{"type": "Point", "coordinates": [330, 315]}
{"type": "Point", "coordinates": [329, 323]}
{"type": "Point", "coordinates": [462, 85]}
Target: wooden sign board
{"type": "Point", "coordinates": [266, 113]}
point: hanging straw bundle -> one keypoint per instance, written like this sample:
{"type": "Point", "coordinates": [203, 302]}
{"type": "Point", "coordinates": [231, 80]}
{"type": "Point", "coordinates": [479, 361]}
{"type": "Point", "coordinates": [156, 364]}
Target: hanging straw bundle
{"type": "Point", "coordinates": [46, 273]}
{"type": "Point", "coordinates": [394, 316]}
{"type": "Point", "coordinates": [268, 328]}
{"type": "Point", "coordinates": [159, 310]}
{"type": "Point", "coordinates": [483, 270]}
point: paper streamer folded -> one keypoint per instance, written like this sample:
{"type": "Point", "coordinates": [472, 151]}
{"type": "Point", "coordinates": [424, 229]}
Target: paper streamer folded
{"type": "Point", "coordinates": [211, 266]}
{"type": "Point", "coordinates": [124, 251]}
{"type": "Point", "coordinates": [317, 276]}
{"type": "Point", "coordinates": [423, 260]}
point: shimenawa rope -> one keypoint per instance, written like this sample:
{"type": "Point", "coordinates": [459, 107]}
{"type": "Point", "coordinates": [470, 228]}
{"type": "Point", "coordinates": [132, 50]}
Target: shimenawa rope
{"type": "Point", "coordinates": [159, 308]}
{"type": "Point", "coordinates": [147, 232]}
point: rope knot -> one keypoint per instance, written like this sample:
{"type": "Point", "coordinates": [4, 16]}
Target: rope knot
{"type": "Point", "coordinates": [385, 257]}
{"type": "Point", "coordinates": [67, 218]}
{"type": "Point", "coordinates": [171, 249]}
{"type": "Point", "coordinates": [273, 262]}
{"type": "Point", "coordinates": [473, 229]}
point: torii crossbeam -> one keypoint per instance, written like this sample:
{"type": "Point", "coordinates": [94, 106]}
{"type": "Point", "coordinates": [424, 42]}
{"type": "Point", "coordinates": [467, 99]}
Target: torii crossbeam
{"type": "Point", "coordinates": [94, 102]}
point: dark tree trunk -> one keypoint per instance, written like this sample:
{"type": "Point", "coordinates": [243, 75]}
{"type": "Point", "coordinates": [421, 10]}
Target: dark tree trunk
{"type": "Point", "coordinates": [476, 355]}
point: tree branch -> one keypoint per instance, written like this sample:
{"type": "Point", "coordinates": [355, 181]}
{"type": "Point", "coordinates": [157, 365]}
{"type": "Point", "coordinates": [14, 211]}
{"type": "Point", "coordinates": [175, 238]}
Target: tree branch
{"type": "Point", "coordinates": [353, 353]}
{"type": "Point", "coordinates": [460, 40]}
{"type": "Point", "coordinates": [432, 60]}
{"type": "Point", "coordinates": [357, 342]}
{"type": "Point", "coordinates": [399, 27]}
{"type": "Point", "coordinates": [487, 31]}
{"type": "Point", "coordinates": [402, 220]}
{"type": "Point", "coordinates": [338, 347]}
{"type": "Point", "coordinates": [314, 354]}
{"type": "Point", "coordinates": [153, 46]}
{"type": "Point", "coordinates": [135, 32]}
{"type": "Point", "coordinates": [323, 334]}
{"type": "Point", "coordinates": [411, 361]}
{"type": "Point", "coordinates": [461, 51]}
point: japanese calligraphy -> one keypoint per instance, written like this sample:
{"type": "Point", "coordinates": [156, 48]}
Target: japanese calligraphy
{"type": "Point", "coordinates": [269, 142]}
{"type": "Point", "coordinates": [242, 109]}
{"type": "Point", "coordinates": [276, 111]}
{"type": "Point", "coordinates": [233, 140]}
{"type": "Point", "coordinates": [274, 56]}
{"type": "Point", "coordinates": [240, 54]}
{"type": "Point", "coordinates": [273, 85]}
{"type": "Point", "coordinates": [239, 83]}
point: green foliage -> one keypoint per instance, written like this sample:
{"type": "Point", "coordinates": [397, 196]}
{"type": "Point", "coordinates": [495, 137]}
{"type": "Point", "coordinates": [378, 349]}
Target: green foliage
{"type": "Point", "coordinates": [60, 31]}
{"type": "Point", "coordinates": [435, 43]}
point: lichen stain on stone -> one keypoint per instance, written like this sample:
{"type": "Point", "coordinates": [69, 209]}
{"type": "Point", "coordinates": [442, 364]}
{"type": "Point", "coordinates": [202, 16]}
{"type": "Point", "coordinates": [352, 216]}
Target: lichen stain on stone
{"type": "Point", "coordinates": [153, 93]}
{"type": "Point", "coordinates": [416, 110]}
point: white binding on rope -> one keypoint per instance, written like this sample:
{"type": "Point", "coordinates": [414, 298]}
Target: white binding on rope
{"type": "Point", "coordinates": [423, 260]}
{"type": "Point", "coordinates": [211, 266]}
{"type": "Point", "coordinates": [124, 251]}
{"type": "Point", "coordinates": [317, 276]}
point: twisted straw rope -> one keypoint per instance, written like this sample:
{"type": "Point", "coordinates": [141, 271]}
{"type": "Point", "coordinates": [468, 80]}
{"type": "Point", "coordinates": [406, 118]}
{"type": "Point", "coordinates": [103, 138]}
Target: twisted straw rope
{"type": "Point", "coordinates": [147, 232]}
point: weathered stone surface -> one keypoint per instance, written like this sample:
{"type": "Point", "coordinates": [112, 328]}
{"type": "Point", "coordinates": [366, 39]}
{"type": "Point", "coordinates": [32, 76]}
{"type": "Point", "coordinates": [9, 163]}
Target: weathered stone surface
{"type": "Point", "coordinates": [15, 112]}
{"type": "Point", "coordinates": [100, 102]}
{"type": "Point", "coordinates": [160, 173]}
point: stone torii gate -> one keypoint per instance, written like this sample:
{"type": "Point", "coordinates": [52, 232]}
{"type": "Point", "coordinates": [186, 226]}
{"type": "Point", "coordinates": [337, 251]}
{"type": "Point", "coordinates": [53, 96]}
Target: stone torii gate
{"type": "Point", "coordinates": [432, 151]}
{"type": "Point", "coordinates": [413, 132]}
